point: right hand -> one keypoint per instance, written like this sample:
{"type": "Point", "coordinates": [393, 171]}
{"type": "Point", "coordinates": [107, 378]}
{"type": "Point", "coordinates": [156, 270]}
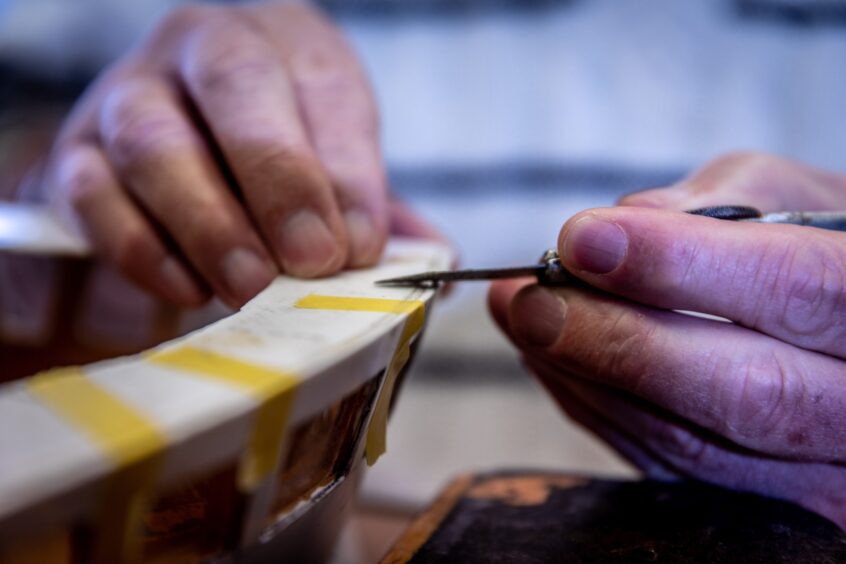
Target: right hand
{"type": "Point", "coordinates": [755, 405]}
{"type": "Point", "coordinates": [232, 143]}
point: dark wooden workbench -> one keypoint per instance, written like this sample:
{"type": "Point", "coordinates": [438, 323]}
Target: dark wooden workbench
{"type": "Point", "coordinates": [542, 517]}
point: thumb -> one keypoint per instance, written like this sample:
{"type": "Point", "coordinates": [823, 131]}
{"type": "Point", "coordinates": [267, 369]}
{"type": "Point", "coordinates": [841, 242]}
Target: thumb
{"type": "Point", "coordinates": [786, 281]}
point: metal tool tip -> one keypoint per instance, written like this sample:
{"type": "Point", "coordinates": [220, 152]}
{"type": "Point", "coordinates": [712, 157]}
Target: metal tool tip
{"type": "Point", "coordinates": [404, 281]}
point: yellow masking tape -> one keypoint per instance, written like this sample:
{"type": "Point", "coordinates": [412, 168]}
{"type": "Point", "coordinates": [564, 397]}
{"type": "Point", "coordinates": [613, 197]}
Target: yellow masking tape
{"type": "Point", "coordinates": [274, 390]}
{"type": "Point", "coordinates": [415, 309]}
{"type": "Point", "coordinates": [123, 433]}
{"type": "Point", "coordinates": [378, 431]}
{"type": "Point", "coordinates": [125, 436]}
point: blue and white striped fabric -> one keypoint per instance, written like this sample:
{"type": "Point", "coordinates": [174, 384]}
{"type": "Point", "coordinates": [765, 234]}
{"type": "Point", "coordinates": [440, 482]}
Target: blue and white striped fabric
{"type": "Point", "coordinates": [503, 117]}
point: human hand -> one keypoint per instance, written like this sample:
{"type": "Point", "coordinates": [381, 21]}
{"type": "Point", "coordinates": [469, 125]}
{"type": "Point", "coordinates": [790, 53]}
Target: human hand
{"type": "Point", "coordinates": [758, 404]}
{"type": "Point", "coordinates": [231, 143]}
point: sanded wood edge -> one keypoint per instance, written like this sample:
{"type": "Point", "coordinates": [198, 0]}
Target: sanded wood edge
{"type": "Point", "coordinates": [426, 523]}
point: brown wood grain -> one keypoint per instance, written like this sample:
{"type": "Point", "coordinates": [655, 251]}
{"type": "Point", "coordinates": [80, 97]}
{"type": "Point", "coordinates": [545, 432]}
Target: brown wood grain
{"type": "Point", "coordinates": [427, 522]}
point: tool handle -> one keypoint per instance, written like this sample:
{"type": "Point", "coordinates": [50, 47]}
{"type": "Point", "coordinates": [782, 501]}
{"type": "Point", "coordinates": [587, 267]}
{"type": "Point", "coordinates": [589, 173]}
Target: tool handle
{"type": "Point", "coordinates": [834, 220]}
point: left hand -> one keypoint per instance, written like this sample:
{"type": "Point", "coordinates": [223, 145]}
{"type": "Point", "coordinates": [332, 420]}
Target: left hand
{"type": "Point", "coordinates": [758, 404]}
{"type": "Point", "coordinates": [230, 144]}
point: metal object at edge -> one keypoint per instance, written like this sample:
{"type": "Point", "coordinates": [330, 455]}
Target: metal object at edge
{"type": "Point", "coordinates": [549, 271]}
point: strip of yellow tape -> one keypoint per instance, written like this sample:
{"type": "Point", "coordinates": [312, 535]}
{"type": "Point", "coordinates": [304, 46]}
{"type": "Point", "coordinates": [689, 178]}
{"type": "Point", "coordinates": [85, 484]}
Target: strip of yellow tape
{"type": "Point", "coordinates": [377, 432]}
{"type": "Point", "coordinates": [273, 389]}
{"type": "Point", "coordinates": [125, 436]}
{"type": "Point", "coordinates": [415, 310]}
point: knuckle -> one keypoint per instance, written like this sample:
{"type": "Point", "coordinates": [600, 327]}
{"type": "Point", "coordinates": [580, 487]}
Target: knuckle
{"type": "Point", "coordinates": [684, 265]}
{"type": "Point", "coordinates": [79, 180]}
{"type": "Point", "coordinates": [622, 355]}
{"type": "Point", "coordinates": [137, 131]}
{"type": "Point", "coordinates": [143, 138]}
{"type": "Point", "coordinates": [353, 117]}
{"type": "Point", "coordinates": [770, 398]}
{"type": "Point", "coordinates": [673, 265]}
{"type": "Point", "coordinates": [330, 80]}
{"type": "Point", "coordinates": [226, 54]}
{"type": "Point", "coordinates": [230, 70]}
{"type": "Point", "coordinates": [325, 65]}
{"type": "Point", "coordinates": [809, 287]}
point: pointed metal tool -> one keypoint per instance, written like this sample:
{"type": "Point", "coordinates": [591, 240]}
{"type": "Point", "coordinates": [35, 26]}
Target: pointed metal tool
{"type": "Point", "coordinates": [548, 271]}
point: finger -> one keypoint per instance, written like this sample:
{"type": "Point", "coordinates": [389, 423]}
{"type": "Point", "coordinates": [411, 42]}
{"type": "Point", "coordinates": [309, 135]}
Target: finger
{"type": "Point", "coordinates": [610, 432]}
{"type": "Point", "coordinates": [698, 454]}
{"type": "Point", "coordinates": [786, 281]}
{"type": "Point", "coordinates": [766, 182]}
{"type": "Point", "coordinates": [87, 187]}
{"type": "Point", "coordinates": [248, 102]}
{"type": "Point", "coordinates": [749, 388]}
{"type": "Point", "coordinates": [164, 161]}
{"type": "Point", "coordinates": [341, 120]}
{"type": "Point", "coordinates": [500, 296]}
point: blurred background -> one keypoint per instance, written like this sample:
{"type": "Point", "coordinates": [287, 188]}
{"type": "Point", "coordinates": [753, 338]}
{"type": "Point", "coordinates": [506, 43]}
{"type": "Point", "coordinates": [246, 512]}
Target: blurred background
{"type": "Point", "coordinates": [502, 118]}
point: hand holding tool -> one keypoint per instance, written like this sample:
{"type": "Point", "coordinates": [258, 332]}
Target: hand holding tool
{"type": "Point", "coordinates": [549, 271]}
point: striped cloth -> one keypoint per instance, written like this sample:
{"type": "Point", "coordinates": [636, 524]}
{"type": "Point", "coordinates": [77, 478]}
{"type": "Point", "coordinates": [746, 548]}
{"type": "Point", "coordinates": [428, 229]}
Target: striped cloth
{"type": "Point", "coordinates": [525, 111]}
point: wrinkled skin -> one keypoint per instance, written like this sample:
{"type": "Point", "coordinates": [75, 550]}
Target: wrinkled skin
{"type": "Point", "coordinates": [758, 404]}
{"type": "Point", "coordinates": [232, 143]}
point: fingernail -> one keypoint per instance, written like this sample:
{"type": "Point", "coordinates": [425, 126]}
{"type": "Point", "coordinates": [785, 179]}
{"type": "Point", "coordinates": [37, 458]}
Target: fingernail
{"type": "Point", "coordinates": [306, 245]}
{"type": "Point", "coordinates": [596, 245]}
{"type": "Point", "coordinates": [537, 316]}
{"type": "Point", "coordinates": [245, 274]}
{"type": "Point", "coordinates": [177, 280]}
{"type": "Point", "coordinates": [363, 238]}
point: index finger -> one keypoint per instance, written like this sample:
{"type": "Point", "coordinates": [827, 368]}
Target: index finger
{"type": "Point", "coordinates": [751, 389]}
{"type": "Point", "coordinates": [248, 102]}
{"type": "Point", "coordinates": [342, 122]}
{"type": "Point", "coordinates": [340, 115]}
